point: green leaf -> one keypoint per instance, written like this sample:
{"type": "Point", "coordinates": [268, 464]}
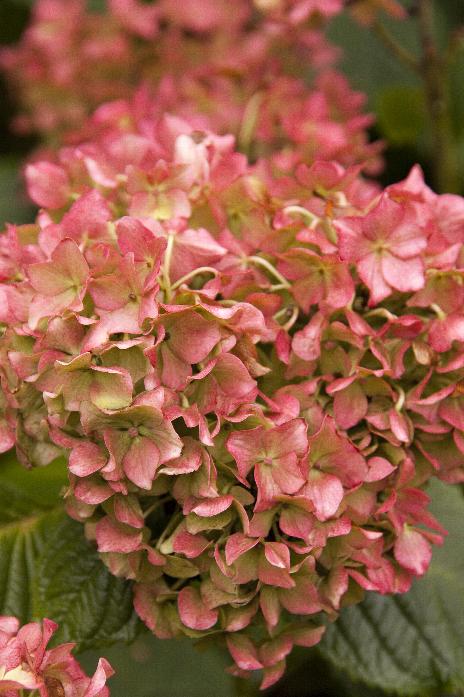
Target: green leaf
{"type": "Point", "coordinates": [27, 493]}
{"type": "Point", "coordinates": [401, 114]}
{"type": "Point", "coordinates": [74, 588]}
{"type": "Point", "coordinates": [411, 644]}
{"type": "Point", "coordinates": [49, 569]}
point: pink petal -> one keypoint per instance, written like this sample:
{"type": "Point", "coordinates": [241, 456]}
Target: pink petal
{"type": "Point", "coordinates": [47, 184]}
{"type": "Point", "coordinates": [213, 506]}
{"type": "Point", "coordinates": [277, 554]}
{"type": "Point", "coordinates": [112, 537]}
{"type": "Point", "coordinates": [403, 275]}
{"type": "Point", "coordinates": [379, 468]}
{"type": "Point", "coordinates": [238, 544]}
{"type": "Point", "coordinates": [86, 458]}
{"type": "Point", "coordinates": [192, 610]}
{"type": "Point", "coordinates": [326, 492]}
{"type": "Point", "coordinates": [350, 406]}
{"type": "Point", "coordinates": [98, 681]}
{"type": "Point", "coordinates": [243, 652]}
{"type": "Point", "coordinates": [141, 462]}
{"type": "Point", "coordinates": [413, 551]}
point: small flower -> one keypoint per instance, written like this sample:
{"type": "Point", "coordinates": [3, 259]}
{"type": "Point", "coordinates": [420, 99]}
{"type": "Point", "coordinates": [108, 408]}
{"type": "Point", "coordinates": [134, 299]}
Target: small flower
{"type": "Point", "coordinates": [27, 664]}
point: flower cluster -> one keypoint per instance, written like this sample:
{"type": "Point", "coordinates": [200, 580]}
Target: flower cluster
{"type": "Point", "coordinates": [28, 667]}
{"type": "Point", "coordinates": [254, 376]}
{"type": "Point", "coordinates": [244, 73]}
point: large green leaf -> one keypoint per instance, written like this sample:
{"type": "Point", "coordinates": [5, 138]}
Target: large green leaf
{"type": "Point", "coordinates": [414, 643]}
{"type": "Point", "coordinates": [92, 607]}
{"type": "Point", "coordinates": [48, 568]}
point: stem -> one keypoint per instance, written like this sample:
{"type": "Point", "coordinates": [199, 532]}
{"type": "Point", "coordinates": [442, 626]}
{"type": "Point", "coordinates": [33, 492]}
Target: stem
{"type": "Point", "coordinates": [260, 261]}
{"type": "Point", "coordinates": [171, 526]}
{"type": "Point", "coordinates": [249, 121]}
{"type": "Point", "coordinates": [436, 89]}
{"type": "Point", "coordinates": [389, 41]}
{"type": "Point", "coordinates": [312, 218]}
{"type": "Point", "coordinates": [166, 267]}
{"type": "Point", "coordinates": [293, 318]}
{"type": "Point", "coordinates": [192, 274]}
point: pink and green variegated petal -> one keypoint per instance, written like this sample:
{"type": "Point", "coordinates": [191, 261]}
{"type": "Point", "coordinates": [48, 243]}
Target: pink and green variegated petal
{"type": "Point", "coordinates": [48, 184]}
{"type": "Point", "coordinates": [192, 610]}
{"type": "Point", "coordinates": [307, 636]}
{"type": "Point", "coordinates": [66, 271]}
{"type": "Point", "coordinates": [193, 337]}
{"type": "Point", "coordinates": [350, 406]}
{"type": "Point", "coordinates": [238, 544]}
{"type": "Point", "coordinates": [175, 371]}
{"type": "Point", "coordinates": [413, 551]}
{"type": "Point", "coordinates": [154, 614]}
{"type": "Point", "coordinates": [302, 599]}
{"type": "Point", "coordinates": [306, 343]}
{"type": "Point", "coordinates": [268, 489]}
{"type": "Point", "coordinates": [270, 605]}
{"type": "Point", "coordinates": [243, 652]}
{"type": "Point", "coordinates": [135, 238]}
{"type": "Point", "coordinates": [405, 275]}
{"type": "Point", "coordinates": [287, 474]}
{"type": "Point", "coordinates": [277, 554]}
{"type": "Point", "coordinates": [190, 545]}
{"type": "Point", "coordinates": [92, 490]}
{"type": "Point", "coordinates": [96, 686]}
{"type": "Point", "coordinates": [326, 493]}
{"type": "Point", "coordinates": [154, 425]}
{"type": "Point", "coordinates": [192, 249]}
{"type": "Point", "coordinates": [370, 271]}
{"type": "Point", "coordinates": [246, 446]}
{"type": "Point", "coordinates": [452, 411]}
{"type": "Point", "coordinates": [272, 674]}
{"type": "Point", "coordinates": [113, 537]}
{"type": "Point", "coordinates": [296, 522]}
{"type": "Point", "coordinates": [7, 436]}
{"type": "Point", "coordinates": [290, 437]}
{"type": "Point", "coordinates": [232, 376]}
{"type": "Point", "coordinates": [86, 458]}
{"type": "Point", "coordinates": [272, 575]}
{"type": "Point", "coordinates": [188, 462]}
{"type": "Point", "coordinates": [213, 506]}
{"type": "Point", "coordinates": [275, 651]}
{"type": "Point", "coordinates": [379, 468]}
{"type": "Point", "coordinates": [111, 388]}
{"type": "Point", "coordinates": [127, 510]}
{"type": "Point", "coordinates": [141, 462]}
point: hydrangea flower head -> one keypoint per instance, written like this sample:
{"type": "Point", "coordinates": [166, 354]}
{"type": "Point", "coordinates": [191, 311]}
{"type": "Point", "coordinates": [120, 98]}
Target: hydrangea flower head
{"type": "Point", "coordinates": [251, 397]}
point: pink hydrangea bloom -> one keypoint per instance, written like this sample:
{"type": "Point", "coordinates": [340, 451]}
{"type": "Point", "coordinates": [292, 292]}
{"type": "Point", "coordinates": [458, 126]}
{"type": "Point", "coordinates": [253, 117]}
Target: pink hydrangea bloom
{"type": "Point", "coordinates": [251, 397]}
{"type": "Point", "coordinates": [28, 667]}
{"type": "Point", "coordinates": [225, 75]}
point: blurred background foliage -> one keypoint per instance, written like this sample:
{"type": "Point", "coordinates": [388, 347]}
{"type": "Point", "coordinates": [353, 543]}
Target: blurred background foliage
{"type": "Point", "coordinates": [153, 668]}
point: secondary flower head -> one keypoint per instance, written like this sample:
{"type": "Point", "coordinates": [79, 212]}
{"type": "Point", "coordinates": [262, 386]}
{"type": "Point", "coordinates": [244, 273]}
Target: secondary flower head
{"type": "Point", "coordinates": [28, 667]}
{"type": "Point", "coordinates": [237, 72]}
{"type": "Point", "coordinates": [251, 398]}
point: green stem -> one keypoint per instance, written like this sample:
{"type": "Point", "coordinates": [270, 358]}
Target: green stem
{"type": "Point", "coordinates": [389, 41]}
{"type": "Point", "coordinates": [192, 274]}
{"type": "Point", "coordinates": [260, 261]}
{"type": "Point", "coordinates": [249, 121]}
{"type": "Point", "coordinates": [433, 70]}
{"type": "Point", "coordinates": [166, 268]}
